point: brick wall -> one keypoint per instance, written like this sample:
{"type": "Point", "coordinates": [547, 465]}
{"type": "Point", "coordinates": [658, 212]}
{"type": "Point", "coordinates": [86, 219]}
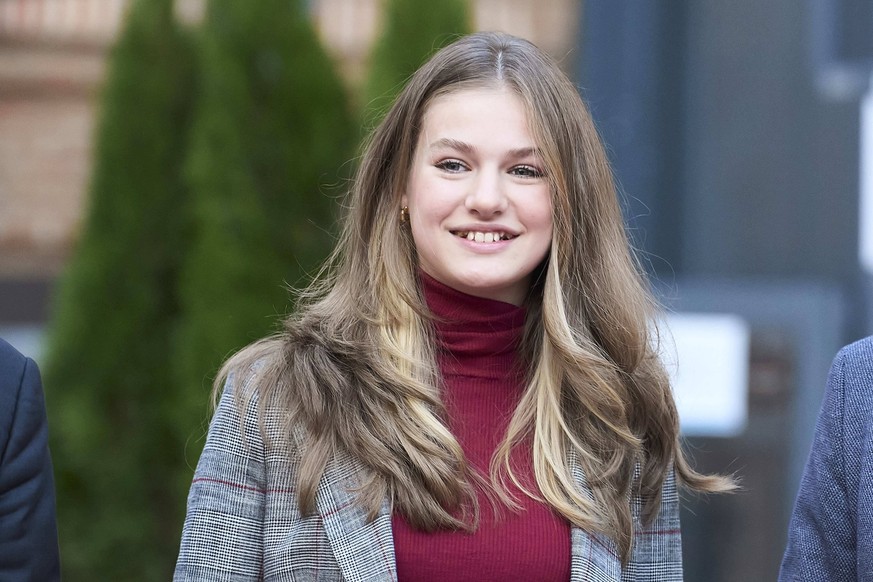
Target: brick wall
{"type": "Point", "coordinates": [47, 96]}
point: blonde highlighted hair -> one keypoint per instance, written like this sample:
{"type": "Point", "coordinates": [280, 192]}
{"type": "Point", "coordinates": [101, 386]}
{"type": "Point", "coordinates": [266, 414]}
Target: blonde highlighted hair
{"type": "Point", "coordinates": [355, 367]}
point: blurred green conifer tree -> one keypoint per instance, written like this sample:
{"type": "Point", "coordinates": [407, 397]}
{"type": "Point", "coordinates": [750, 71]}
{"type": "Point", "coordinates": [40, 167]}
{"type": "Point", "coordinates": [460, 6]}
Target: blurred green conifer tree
{"type": "Point", "coordinates": [271, 135]}
{"type": "Point", "coordinates": [411, 32]}
{"type": "Point", "coordinates": [118, 457]}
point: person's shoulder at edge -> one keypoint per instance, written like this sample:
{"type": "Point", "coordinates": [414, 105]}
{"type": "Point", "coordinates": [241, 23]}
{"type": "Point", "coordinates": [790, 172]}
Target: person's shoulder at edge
{"type": "Point", "coordinates": [12, 367]}
{"type": "Point", "coordinates": [823, 540]}
{"type": "Point", "coordinates": [856, 362]}
{"type": "Point", "coordinates": [28, 538]}
{"type": "Point", "coordinates": [851, 383]}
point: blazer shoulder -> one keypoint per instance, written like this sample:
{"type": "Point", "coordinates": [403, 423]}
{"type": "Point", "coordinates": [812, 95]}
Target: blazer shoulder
{"type": "Point", "coordinates": [14, 374]}
{"type": "Point", "coordinates": [12, 365]}
{"type": "Point", "coordinates": [852, 373]}
{"type": "Point", "coordinates": [858, 353]}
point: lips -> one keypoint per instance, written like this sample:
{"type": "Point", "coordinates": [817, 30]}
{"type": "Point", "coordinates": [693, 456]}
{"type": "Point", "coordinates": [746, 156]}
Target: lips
{"type": "Point", "coordinates": [483, 236]}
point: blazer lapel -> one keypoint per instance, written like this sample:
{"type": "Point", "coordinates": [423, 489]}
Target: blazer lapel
{"type": "Point", "coordinates": [363, 549]}
{"type": "Point", "coordinates": [593, 556]}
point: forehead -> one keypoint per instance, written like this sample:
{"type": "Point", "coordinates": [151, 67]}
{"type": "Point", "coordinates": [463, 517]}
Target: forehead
{"type": "Point", "coordinates": [477, 112]}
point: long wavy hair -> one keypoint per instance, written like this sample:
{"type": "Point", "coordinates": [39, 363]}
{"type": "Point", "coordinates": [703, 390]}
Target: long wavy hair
{"type": "Point", "coordinates": [354, 367]}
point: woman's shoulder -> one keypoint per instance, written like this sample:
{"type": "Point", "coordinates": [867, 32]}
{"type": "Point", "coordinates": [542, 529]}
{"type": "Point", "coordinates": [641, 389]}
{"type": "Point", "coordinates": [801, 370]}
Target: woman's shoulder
{"type": "Point", "coordinates": [245, 371]}
{"type": "Point", "coordinates": [250, 383]}
{"type": "Point", "coordinates": [258, 405]}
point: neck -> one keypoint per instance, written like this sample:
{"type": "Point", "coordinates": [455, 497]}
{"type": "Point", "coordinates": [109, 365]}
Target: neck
{"type": "Point", "coordinates": [476, 337]}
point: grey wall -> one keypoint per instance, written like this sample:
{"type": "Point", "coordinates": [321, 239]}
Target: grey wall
{"type": "Point", "coordinates": [739, 172]}
{"type": "Point", "coordinates": [731, 161]}
{"type": "Point", "coordinates": [770, 165]}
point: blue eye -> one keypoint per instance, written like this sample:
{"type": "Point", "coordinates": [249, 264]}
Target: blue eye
{"type": "Point", "coordinates": [526, 171]}
{"type": "Point", "coordinates": [451, 166]}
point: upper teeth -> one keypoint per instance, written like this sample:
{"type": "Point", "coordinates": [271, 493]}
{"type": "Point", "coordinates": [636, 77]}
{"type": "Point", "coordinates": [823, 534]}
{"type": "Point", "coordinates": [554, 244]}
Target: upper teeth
{"type": "Point", "coordinates": [484, 236]}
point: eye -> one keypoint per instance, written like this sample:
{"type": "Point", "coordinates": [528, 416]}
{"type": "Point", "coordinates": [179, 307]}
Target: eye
{"type": "Point", "coordinates": [451, 166]}
{"type": "Point", "coordinates": [526, 171]}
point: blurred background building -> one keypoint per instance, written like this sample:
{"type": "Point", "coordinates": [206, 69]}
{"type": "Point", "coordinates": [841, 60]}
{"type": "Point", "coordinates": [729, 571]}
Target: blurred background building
{"type": "Point", "coordinates": [735, 131]}
{"type": "Point", "coordinates": [52, 58]}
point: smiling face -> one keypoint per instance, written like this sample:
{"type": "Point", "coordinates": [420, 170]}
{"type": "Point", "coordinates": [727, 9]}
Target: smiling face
{"type": "Point", "coordinates": [479, 202]}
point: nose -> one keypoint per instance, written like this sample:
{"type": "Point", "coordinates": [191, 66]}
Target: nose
{"type": "Point", "coordinates": [486, 196]}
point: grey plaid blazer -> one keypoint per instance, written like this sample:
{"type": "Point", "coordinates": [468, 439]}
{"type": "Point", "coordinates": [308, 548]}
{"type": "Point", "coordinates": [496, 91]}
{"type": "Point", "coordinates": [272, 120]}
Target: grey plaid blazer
{"type": "Point", "coordinates": [243, 522]}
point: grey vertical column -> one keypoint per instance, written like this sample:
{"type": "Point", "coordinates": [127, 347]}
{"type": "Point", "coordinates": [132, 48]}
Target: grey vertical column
{"type": "Point", "coordinates": [631, 77]}
{"type": "Point", "coordinates": [843, 58]}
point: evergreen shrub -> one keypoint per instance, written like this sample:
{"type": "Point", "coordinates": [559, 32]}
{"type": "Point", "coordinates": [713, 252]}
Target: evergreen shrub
{"type": "Point", "coordinates": [411, 32]}
{"type": "Point", "coordinates": [117, 455]}
{"type": "Point", "coordinates": [271, 134]}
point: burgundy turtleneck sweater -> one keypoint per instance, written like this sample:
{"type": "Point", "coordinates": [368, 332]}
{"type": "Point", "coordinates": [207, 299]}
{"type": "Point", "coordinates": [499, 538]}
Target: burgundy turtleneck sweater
{"type": "Point", "coordinates": [477, 340]}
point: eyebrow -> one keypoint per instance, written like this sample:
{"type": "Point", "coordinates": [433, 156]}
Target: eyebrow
{"type": "Point", "coordinates": [466, 148]}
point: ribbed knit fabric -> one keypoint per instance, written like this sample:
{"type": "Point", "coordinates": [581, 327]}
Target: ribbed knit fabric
{"type": "Point", "coordinates": [478, 339]}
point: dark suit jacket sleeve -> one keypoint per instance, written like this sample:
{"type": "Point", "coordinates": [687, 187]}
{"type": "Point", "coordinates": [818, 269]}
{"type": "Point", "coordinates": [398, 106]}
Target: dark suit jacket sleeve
{"type": "Point", "coordinates": [28, 530]}
{"type": "Point", "coordinates": [824, 531]}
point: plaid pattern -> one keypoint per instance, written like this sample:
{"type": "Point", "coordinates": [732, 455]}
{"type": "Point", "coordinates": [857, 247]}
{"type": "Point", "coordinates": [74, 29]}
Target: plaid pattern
{"type": "Point", "coordinates": [243, 522]}
{"type": "Point", "coordinates": [657, 550]}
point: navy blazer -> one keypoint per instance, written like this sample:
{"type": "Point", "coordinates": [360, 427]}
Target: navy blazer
{"type": "Point", "coordinates": [28, 530]}
{"type": "Point", "coordinates": [831, 533]}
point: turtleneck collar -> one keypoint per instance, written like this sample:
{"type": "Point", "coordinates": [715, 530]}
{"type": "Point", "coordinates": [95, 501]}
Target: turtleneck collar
{"type": "Point", "coordinates": [477, 337]}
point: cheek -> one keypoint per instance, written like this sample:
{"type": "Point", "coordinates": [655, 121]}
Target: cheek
{"type": "Point", "coordinates": [429, 204]}
{"type": "Point", "coordinates": [542, 221]}
{"type": "Point", "coordinates": [416, 192]}
{"type": "Point", "coordinates": [540, 212]}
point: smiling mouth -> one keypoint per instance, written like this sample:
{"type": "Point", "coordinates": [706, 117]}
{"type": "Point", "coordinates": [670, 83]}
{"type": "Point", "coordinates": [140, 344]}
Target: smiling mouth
{"type": "Point", "coordinates": [486, 237]}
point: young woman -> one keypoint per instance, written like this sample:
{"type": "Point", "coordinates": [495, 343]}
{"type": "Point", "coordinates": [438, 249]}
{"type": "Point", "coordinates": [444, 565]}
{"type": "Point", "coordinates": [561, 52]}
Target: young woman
{"type": "Point", "coordinates": [469, 390]}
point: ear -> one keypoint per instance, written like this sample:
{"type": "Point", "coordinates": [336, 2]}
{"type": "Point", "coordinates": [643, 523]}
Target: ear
{"type": "Point", "coordinates": [404, 201]}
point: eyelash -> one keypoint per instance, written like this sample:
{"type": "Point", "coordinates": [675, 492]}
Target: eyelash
{"type": "Point", "coordinates": [523, 171]}
{"type": "Point", "coordinates": [444, 165]}
{"type": "Point", "coordinates": [529, 171]}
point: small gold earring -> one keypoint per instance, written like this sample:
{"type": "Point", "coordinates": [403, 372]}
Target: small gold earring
{"type": "Point", "coordinates": [404, 214]}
